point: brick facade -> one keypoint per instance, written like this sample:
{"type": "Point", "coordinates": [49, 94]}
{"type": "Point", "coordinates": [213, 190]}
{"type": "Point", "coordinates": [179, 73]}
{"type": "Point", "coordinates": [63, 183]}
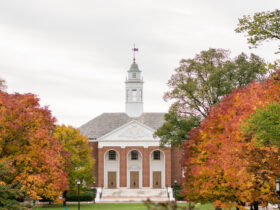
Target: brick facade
{"type": "Point", "coordinates": [176, 170]}
{"type": "Point", "coordinates": [94, 154]}
{"type": "Point", "coordinates": [172, 164]}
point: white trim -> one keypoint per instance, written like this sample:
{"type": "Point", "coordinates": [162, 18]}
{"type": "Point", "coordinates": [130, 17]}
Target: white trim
{"type": "Point", "coordinates": [98, 194]}
{"type": "Point", "coordinates": [140, 171]}
{"type": "Point", "coordinates": [125, 143]}
{"type": "Point", "coordinates": [92, 140]}
{"type": "Point", "coordinates": [106, 170]}
{"type": "Point", "coordinates": [162, 171]}
{"type": "Point", "coordinates": [171, 196]}
{"type": "Point", "coordinates": [125, 125]}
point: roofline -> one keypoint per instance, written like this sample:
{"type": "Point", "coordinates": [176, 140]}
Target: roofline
{"type": "Point", "coordinates": [123, 126]}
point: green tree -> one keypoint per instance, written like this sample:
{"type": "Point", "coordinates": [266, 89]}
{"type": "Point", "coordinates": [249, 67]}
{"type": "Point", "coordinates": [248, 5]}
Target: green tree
{"type": "Point", "coordinates": [262, 26]}
{"type": "Point", "coordinates": [176, 128]}
{"type": "Point", "coordinates": [8, 191]}
{"type": "Point", "coordinates": [201, 82]}
{"type": "Point", "coordinates": [81, 161]}
{"type": "Point", "coordinates": [264, 126]}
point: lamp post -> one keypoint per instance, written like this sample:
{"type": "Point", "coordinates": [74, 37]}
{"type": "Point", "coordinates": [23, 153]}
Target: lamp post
{"type": "Point", "coordinates": [78, 183]}
{"type": "Point", "coordinates": [175, 189]}
{"type": "Point", "coordinates": [278, 189]}
{"type": "Point", "coordinates": [94, 191]}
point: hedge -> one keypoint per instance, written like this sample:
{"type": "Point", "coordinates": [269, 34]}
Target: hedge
{"type": "Point", "coordinates": [85, 196]}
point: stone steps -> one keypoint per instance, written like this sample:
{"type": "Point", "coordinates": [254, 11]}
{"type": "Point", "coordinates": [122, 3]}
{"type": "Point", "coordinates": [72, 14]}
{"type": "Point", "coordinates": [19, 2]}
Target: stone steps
{"type": "Point", "coordinates": [131, 199]}
{"type": "Point", "coordinates": [133, 195]}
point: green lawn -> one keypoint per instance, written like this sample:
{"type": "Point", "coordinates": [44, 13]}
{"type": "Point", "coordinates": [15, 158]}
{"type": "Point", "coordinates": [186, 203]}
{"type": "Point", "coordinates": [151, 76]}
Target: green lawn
{"type": "Point", "coordinates": [114, 206]}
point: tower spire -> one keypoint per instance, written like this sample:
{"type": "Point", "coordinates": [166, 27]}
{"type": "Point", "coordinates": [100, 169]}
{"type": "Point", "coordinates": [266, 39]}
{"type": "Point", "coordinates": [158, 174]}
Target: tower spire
{"type": "Point", "coordinates": [134, 50]}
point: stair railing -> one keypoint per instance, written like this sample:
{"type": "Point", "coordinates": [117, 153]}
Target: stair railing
{"type": "Point", "coordinates": [167, 192]}
{"type": "Point", "coordinates": [101, 191]}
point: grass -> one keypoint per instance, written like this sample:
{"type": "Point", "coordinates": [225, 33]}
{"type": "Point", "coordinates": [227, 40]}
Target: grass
{"type": "Point", "coordinates": [207, 206]}
{"type": "Point", "coordinates": [99, 206]}
{"type": "Point", "coordinates": [114, 206]}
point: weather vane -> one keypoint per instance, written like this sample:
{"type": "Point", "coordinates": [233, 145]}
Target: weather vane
{"type": "Point", "coordinates": [134, 50]}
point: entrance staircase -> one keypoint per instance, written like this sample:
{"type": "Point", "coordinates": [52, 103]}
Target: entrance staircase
{"type": "Point", "coordinates": [133, 195]}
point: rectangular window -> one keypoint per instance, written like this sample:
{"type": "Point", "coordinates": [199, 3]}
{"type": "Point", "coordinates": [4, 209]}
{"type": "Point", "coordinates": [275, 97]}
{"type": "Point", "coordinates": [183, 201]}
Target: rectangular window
{"type": "Point", "coordinates": [156, 155]}
{"type": "Point", "coordinates": [112, 155]}
{"type": "Point", "coordinates": [134, 155]}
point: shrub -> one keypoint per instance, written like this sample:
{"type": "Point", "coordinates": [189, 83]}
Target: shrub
{"type": "Point", "coordinates": [176, 192]}
{"type": "Point", "coordinates": [84, 196]}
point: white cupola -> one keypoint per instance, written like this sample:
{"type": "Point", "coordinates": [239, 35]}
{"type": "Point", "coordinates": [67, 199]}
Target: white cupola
{"type": "Point", "coordinates": [134, 91]}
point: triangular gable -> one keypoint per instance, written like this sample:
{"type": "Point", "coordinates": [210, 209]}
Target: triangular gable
{"type": "Point", "coordinates": [131, 131]}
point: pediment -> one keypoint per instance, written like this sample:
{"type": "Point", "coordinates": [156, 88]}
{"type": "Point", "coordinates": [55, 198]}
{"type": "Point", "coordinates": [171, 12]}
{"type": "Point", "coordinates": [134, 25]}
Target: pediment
{"type": "Point", "coordinates": [132, 131]}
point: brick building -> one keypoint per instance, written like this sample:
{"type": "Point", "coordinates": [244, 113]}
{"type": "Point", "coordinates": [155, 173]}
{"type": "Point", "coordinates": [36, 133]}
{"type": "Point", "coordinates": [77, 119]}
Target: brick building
{"type": "Point", "coordinates": [130, 165]}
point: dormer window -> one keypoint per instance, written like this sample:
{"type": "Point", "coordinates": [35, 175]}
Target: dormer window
{"type": "Point", "coordinates": [133, 75]}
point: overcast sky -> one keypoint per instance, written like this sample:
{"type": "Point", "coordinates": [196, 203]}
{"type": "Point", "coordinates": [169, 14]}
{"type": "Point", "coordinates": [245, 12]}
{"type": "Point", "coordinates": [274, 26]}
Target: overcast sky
{"type": "Point", "coordinates": [74, 54]}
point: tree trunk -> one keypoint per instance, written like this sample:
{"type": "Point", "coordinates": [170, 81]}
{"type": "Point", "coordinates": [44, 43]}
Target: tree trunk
{"type": "Point", "coordinates": [256, 205]}
{"type": "Point", "coordinates": [64, 197]}
{"type": "Point", "coordinates": [251, 207]}
{"type": "Point", "coordinates": [241, 204]}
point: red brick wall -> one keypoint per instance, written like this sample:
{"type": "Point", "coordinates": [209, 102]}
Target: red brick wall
{"type": "Point", "coordinates": [94, 154]}
{"type": "Point", "coordinates": [167, 153]}
{"type": "Point", "coordinates": [146, 167]}
{"type": "Point", "coordinates": [123, 172]}
{"type": "Point", "coordinates": [176, 170]}
{"type": "Point", "coordinates": [100, 171]}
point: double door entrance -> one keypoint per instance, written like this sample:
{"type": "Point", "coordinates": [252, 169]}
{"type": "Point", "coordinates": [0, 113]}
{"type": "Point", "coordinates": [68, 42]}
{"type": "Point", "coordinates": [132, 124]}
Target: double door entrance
{"type": "Point", "coordinates": [112, 179]}
{"type": "Point", "coordinates": [156, 179]}
{"type": "Point", "coordinates": [134, 179]}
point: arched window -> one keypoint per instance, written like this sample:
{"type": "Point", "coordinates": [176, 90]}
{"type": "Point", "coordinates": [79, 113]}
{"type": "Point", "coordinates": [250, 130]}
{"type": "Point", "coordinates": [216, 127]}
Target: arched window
{"type": "Point", "coordinates": [134, 95]}
{"type": "Point", "coordinates": [112, 155]}
{"type": "Point", "coordinates": [134, 155]}
{"type": "Point", "coordinates": [156, 155]}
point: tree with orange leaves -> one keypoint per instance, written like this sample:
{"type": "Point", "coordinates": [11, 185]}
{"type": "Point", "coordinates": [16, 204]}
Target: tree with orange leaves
{"type": "Point", "coordinates": [26, 138]}
{"type": "Point", "coordinates": [226, 167]}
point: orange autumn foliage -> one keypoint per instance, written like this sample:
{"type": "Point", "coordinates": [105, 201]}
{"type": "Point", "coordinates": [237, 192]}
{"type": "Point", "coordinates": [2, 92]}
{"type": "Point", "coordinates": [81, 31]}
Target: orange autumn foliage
{"type": "Point", "coordinates": [222, 164]}
{"type": "Point", "coordinates": [26, 137]}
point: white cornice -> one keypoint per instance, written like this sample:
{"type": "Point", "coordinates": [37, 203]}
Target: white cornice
{"type": "Point", "coordinates": [131, 131]}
